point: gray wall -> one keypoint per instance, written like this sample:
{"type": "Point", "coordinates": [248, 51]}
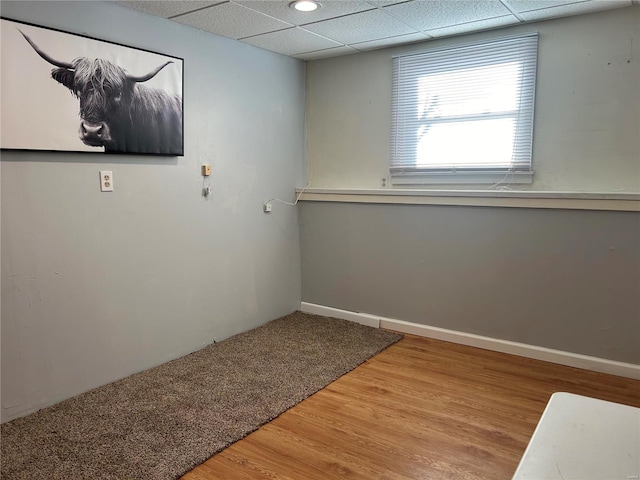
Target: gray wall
{"type": "Point", "coordinates": [96, 286]}
{"type": "Point", "coordinates": [562, 279]}
{"type": "Point", "coordinates": [568, 280]}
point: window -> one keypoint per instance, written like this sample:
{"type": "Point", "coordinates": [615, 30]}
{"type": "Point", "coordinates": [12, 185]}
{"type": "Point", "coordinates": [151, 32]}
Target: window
{"type": "Point", "coordinates": [464, 114]}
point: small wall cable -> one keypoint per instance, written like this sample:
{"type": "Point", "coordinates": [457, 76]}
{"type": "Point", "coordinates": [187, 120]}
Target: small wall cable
{"type": "Point", "coordinates": [267, 205]}
{"type": "Point", "coordinates": [289, 203]}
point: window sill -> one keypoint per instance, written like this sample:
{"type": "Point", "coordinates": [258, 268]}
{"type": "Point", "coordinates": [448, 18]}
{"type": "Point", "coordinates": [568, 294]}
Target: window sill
{"type": "Point", "coordinates": [625, 202]}
{"type": "Point", "coordinates": [486, 178]}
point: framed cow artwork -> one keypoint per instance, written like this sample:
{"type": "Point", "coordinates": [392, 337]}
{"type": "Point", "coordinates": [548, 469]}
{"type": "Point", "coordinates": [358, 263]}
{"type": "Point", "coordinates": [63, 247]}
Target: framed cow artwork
{"type": "Point", "coordinates": [67, 92]}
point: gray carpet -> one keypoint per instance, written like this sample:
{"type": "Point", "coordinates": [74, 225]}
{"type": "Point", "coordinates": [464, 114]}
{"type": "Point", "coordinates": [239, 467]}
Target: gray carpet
{"type": "Point", "coordinates": [160, 423]}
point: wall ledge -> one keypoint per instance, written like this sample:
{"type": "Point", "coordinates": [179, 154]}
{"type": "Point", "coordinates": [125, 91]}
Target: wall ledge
{"type": "Point", "coordinates": [611, 201]}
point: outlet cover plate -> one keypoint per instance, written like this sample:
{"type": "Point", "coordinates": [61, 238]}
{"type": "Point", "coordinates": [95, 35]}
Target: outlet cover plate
{"type": "Point", "coordinates": [106, 181]}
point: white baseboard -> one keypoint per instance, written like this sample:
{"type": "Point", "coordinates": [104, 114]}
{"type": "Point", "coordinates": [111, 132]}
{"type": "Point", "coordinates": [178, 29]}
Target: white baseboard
{"type": "Point", "coordinates": [362, 318]}
{"type": "Point", "coordinates": [570, 359]}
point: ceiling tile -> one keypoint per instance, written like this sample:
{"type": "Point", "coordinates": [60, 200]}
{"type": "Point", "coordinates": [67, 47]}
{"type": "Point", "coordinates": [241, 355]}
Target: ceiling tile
{"type": "Point", "coordinates": [232, 20]}
{"type": "Point", "coordinates": [573, 9]}
{"type": "Point", "coordinates": [329, 52]}
{"type": "Point", "coordinates": [474, 26]}
{"type": "Point", "coordinates": [292, 41]}
{"type": "Point", "coordinates": [387, 42]}
{"type": "Point", "coordinates": [526, 5]}
{"type": "Point", "coordinates": [360, 27]}
{"type": "Point", "coordinates": [429, 14]}
{"type": "Point", "coordinates": [166, 9]}
{"type": "Point", "coordinates": [384, 3]}
{"type": "Point", "coordinates": [329, 9]}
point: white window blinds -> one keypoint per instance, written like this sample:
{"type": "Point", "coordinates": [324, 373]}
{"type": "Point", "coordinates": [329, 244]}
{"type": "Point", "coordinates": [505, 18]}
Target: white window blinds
{"type": "Point", "coordinates": [464, 109]}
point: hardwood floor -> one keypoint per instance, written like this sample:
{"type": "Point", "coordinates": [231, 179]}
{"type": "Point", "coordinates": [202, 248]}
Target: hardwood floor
{"type": "Point", "coordinates": [422, 409]}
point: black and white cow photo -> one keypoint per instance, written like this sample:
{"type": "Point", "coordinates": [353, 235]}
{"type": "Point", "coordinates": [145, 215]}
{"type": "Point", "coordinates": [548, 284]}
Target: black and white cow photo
{"type": "Point", "coordinates": [70, 93]}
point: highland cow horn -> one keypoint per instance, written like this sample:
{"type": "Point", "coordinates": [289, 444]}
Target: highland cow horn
{"type": "Point", "coordinates": [44, 55]}
{"type": "Point", "coordinates": [148, 76]}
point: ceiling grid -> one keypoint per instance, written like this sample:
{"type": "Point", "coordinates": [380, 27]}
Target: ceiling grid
{"type": "Point", "coordinates": [341, 27]}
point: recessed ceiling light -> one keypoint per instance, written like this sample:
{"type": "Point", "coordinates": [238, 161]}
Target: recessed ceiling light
{"type": "Point", "coordinates": [305, 5]}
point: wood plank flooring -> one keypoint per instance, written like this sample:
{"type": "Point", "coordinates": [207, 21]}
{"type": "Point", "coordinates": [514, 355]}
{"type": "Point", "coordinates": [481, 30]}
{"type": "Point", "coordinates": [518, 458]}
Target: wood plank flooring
{"type": "Point", "coordinates": [422, 409]}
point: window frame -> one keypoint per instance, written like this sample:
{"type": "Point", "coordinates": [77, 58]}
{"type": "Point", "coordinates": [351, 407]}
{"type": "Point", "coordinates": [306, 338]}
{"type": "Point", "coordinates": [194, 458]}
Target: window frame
{"type": "Point", "coordinates": [401, 170]}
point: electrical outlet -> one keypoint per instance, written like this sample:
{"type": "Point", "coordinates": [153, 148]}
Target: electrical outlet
{"type": "Point", "coordinates": [106, 181]}
{"type": "Point", "coordinates": [266, 208]}
{"type": "Point", "coordinates": [206, 170]}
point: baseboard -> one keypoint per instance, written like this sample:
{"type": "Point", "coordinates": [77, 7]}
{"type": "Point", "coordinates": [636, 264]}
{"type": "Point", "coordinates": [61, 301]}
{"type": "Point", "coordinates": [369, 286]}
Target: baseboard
{"type": "Point", "coordinates": [570, 359]}
{"type": "Point", "coordinates": [362, 318]}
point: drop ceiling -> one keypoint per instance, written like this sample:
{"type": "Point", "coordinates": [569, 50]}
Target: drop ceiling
{"type": "Point", "coordinates": [341, 27]}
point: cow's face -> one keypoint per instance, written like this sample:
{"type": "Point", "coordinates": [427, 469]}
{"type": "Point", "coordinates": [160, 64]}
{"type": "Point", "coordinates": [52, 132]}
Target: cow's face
{"type": "Point", "coordinates": [102, 88]}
